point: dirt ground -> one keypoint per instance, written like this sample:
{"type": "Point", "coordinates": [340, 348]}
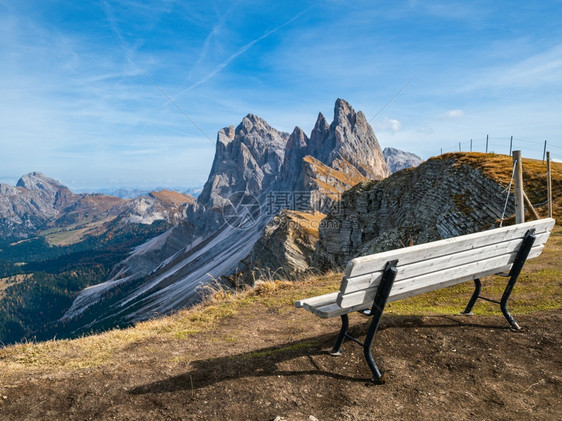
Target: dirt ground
{"type": "Point", "coordinates": [267, 364]}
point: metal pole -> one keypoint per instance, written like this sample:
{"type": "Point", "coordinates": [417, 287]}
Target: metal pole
{"type": "Point", "coordinates": [470, 145]}
{"type": "Point", "coordinates": [441, 151]}
{"type": "Point", "coordinates": [544, 152]}
{"type": "Point", "coordinates": [459, 146]}
{"type": "Point", "coordinates": [518, 185]}
{"type": "Point", "coordinates": [548, 185]}
{"type": "Point", "coordinates": [510, 145]}
{"type": "Point", "coordinates": [486, 143]}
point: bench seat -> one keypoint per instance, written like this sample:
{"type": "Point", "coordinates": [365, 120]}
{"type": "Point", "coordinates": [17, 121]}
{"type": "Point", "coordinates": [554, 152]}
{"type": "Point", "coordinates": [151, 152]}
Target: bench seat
{"type": "Point", "coordinates": [326, 306]}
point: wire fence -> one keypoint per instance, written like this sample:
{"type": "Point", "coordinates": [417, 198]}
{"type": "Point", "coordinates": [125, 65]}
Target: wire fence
{"type": "Point", "coordinates": [530, 148]}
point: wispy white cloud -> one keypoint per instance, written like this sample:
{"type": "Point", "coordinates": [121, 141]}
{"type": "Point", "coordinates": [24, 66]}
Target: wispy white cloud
{"type": "Point", "coordinates": [451, 114]}
{"type": "Point", "coordinates": [541, 69]}
{"type": "Point", "coordinates": [389, 125]}
{"type": "Point", "coordinates": [240, 51]}
{"type": "Point", "coordinates": [213, 37]}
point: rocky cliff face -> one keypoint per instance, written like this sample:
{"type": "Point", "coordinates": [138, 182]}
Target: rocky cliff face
{"type": "Point", "coordinates": [441, 198]}
{"type": "Point", "coordinates": [247, 159]}
{"type": "Point", "coordinates": [398, 160]}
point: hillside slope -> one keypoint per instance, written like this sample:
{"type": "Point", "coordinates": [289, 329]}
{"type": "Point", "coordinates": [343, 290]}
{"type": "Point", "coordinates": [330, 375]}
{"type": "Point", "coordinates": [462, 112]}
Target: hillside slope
{"type": "Point", "coordinates": [446, 196]}
{"type": "Point", "coordinates": [253, 355]}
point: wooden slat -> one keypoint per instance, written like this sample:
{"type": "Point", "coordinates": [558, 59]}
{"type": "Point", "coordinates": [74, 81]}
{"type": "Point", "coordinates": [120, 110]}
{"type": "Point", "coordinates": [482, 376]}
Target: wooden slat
{"type": "Point", "coordinates": [334, 310]}
{"type": "Point", "coordinates": [405, 293]}
{"type": "Point", "coordinates": [421, 267]}
{"type": "Point", "coordinates": [317, 301]}
{"type": "Point", "coordinates": [372, 263]}
{"type": "Point", "coordinates": [418, 284]}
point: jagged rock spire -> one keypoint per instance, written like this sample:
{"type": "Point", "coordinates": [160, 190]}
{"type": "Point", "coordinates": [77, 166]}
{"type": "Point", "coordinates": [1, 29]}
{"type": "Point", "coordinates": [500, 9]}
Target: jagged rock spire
{"type": "Point", "coordinates": [247, 158]}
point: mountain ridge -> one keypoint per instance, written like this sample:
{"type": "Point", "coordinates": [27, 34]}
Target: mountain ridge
{"type": "Point", "coordinates": [253, 159]}
{"type": "Point", "coordinates": [39, 203]}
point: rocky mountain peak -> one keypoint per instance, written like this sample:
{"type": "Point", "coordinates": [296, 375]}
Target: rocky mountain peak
{"type": "Point", "coordinates": [247, 159]}
{"type": "Point", "coordinates": [297, 140]}
{"type": "Point", "coordinates": [343, 113]}
{"type": "Point", "coordinates": [252, 123]}
{"type": "Point", "coordinates": [225, 135]}
{"type": "Point", "coordinates": [398, 160]}
{"type": "Point", "coordinates": [38, 181]}
{"type": "Point", "coordinates": [348, 144]}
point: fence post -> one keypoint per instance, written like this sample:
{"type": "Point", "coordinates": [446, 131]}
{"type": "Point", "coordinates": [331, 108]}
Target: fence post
{"type": "Point", "coordinates": [544, 152]}
{"type": "Point", "coordinates": [470, 145]}
{"type": "Point", "coordinates": [548, 185]}
{"type": "Point", "coordinates": [486, 143]}
{"type": "Point", "coordinates": [459, 146]}
{"type": "Point", "coordinates": [518, 185]}
{"type": "Point", "coordinates": [510, 144]}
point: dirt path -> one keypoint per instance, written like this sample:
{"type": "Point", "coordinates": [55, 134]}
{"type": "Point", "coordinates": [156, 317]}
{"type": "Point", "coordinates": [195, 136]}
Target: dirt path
{"type": "Point", "coordinates": [269, 362]}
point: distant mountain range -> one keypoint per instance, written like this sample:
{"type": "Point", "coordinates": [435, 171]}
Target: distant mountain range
{"type": "Point", "coordinates": [132, 193]}
{"type": "Point", "coordinates": [38, 203]}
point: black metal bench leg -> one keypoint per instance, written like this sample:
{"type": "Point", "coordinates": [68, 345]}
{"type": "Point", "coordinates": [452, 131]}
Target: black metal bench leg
{"type": "Point", "coordinates": [503, 305]}
{"type": "Point", "coordinates": [336, 350]}
{"type": "Point", "coordinates": [477, 288]}
{"type": "Point", "coordinates": [367, 346]}
{"type": "Point", "coordinates": [378, 307]}
{"type": "Point", "coordinates": [520, 259]}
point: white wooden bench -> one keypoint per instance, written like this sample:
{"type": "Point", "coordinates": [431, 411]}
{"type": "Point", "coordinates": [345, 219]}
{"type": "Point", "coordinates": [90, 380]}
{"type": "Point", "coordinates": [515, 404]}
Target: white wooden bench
{"type": "Point", "coordinates": [371, 281]}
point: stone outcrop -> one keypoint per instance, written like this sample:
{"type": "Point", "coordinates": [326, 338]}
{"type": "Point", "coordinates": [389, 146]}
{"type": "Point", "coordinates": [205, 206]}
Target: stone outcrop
{"type": "Point", "coordinates": [441, 198]}
{"type": "Point", "coordinates": [399, 160]}
{"type": "Point", "coordinates": [285, 248]}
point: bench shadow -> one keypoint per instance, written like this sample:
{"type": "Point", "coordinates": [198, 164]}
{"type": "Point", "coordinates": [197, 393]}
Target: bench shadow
{"type": "Point", "coordinates": [265, 362]}
{"type": "Point", "coordinates": [259, 363]}
{"type": "Point", "coordinates": [448, 321]}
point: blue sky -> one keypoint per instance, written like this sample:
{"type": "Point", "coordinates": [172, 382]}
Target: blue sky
{"type": "Point", "coordinates": [77, 103]}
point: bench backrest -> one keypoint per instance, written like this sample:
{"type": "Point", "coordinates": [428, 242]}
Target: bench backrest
{"type": "Point", "coordinates": [431, 266]}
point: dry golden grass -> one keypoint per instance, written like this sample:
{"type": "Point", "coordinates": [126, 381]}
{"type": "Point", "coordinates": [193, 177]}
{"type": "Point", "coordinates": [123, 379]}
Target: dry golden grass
{"type": "Point", "coordinates": [309, 221]}
{"type": "Point", "coordinates": [349, 177]}
{"type": "Point", "coordinates": [172, 197]}
{"type": "Point", "coordinates": [63, 356]}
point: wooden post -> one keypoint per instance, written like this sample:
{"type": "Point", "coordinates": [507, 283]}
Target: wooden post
{"type": "Point", "coordinates": [518, 185]}
{"type": "Point", "coordinates": [530, 206]}
{"type": "Point", "coordinates": [548, 185]}
{"type": "Point", "coordinates": [486, 143]}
